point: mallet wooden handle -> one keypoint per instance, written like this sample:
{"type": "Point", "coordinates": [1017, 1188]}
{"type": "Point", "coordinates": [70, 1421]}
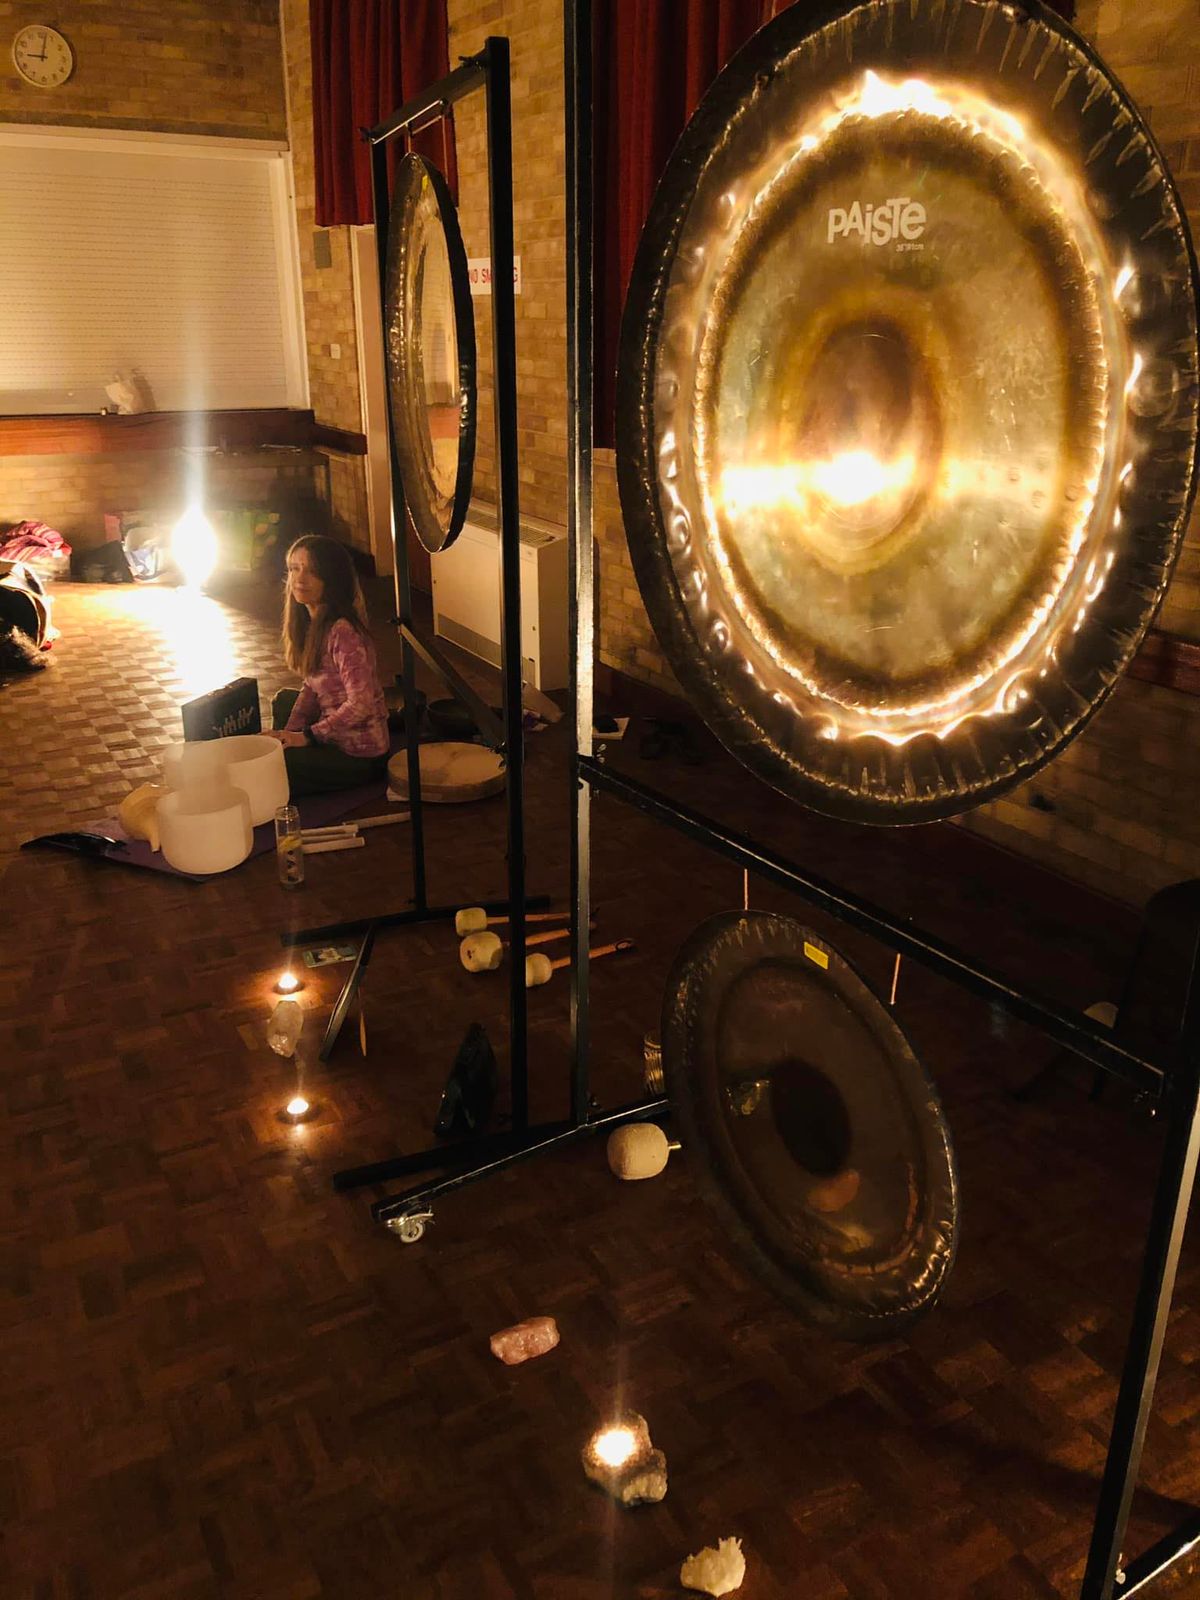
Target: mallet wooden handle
{"type": "Point", "coordinates": [540, 969]}
{"type": "Point", "coordinates": [474, 919]}
{"type": "Point", "coordinates": [553, 933]}
{"type": "Point", "coordinates": [597, 951]}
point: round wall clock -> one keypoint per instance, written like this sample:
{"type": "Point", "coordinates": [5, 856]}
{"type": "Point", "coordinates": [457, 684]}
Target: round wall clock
{"type": "Point", "coordinates": [42, 56]}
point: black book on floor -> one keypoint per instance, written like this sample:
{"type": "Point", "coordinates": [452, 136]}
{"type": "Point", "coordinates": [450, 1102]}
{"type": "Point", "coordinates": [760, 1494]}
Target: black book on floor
{"type": "Point", "coordinates": [470, 1091]}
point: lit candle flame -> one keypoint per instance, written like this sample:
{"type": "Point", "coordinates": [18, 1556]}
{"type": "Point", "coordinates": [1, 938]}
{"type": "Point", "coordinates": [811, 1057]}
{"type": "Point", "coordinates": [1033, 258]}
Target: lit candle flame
{"type": "Point", "coordinates": [614, 1446]}
{"type": "Point", "coordinates": [297, 1107]}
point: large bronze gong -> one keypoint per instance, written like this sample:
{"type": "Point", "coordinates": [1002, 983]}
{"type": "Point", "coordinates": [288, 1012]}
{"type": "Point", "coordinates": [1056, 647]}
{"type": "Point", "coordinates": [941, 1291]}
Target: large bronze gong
{"type": "Point", "coordinates": [821, 1137]}
{"type": "Point", "coordinates": [907, 401]}
{"type": "Point", "coordinates": [430, 347]}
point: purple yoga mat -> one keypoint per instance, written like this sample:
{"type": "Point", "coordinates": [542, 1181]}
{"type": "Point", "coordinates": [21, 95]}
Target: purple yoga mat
{"type": "Point", "coordinates": [315, 811]}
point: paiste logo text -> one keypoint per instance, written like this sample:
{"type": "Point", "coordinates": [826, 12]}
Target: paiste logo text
{"type": "Point", "coordinates": [899, 221]}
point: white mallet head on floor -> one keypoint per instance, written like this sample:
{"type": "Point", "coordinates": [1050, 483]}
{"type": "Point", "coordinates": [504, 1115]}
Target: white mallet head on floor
{"type": "Point", "coordinates": [638, 1150]}
{"type": "Point", "coordinates": [481, 952]}
{"type": "Point", "coordinates": [474, 919]}
{"type": "Point", "coordinates": [539, 969]}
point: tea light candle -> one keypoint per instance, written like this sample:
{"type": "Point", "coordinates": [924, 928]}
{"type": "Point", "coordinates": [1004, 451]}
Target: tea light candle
{"type": "Point", "coordinates": [288, 983]}
{"type": "Point", "coordinates": [620, 1458]}
{"type": "Point", "coordinates": [297, 1110]}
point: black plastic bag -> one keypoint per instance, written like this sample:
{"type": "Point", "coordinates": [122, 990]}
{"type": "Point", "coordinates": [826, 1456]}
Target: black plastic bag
{"type": "Point", "coordinates": [470, 1091]}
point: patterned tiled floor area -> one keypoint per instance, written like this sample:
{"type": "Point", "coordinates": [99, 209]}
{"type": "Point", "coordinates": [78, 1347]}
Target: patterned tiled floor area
{"type": "Point", "coordinates": [220, 1381]}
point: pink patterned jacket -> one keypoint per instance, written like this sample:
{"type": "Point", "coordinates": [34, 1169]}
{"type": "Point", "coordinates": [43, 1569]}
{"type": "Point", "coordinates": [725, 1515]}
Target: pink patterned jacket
{"type": "Point", "coordinates": [342, 702]}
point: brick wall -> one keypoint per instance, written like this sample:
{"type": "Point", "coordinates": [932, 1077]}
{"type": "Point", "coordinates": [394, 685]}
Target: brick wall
{"type": "Point", "coordinates": [194, 67]}
{"type": "Point", "coordinates": [72, 492]}
{"type": "Point", "coordinates": [1118, 809]}
{"type": "Point", "coordinates": [187, 66]}
{"type": "Point", "coordinates": [534, 30]}
{"type": "Point", "coordinates": [329, 316]}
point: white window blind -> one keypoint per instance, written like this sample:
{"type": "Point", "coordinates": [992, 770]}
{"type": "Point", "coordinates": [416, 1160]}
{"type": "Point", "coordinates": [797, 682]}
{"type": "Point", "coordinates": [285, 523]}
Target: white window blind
{"type": "Point", "coordinates": [174, 257]}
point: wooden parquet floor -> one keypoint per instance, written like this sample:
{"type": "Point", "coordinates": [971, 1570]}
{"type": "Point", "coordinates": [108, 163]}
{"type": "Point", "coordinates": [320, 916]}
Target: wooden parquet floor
{"type": "Point", "coordinates": [219, 1379]}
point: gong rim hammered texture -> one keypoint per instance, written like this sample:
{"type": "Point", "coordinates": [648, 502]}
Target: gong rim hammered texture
{"type": "Point", "coordinates": [422, 216]}
{"type": "Point", "coordinates": [822, 1143]}
{"type": "Point", "coordinates": [907, 401]}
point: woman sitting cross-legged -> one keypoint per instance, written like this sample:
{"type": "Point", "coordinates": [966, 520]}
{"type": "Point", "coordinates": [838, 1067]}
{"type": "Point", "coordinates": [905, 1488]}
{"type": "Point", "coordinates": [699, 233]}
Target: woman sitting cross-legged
{"type": "Point", "coordinates": [333, 729]}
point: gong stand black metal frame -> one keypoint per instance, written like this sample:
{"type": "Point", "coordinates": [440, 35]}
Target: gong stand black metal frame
{"type": "Point", "coordinates": [1176, 1086]}
{"type": "Point", "coordinates": [489, 71]}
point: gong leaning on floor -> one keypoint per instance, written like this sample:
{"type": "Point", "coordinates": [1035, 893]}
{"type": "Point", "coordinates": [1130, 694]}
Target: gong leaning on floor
{"type": "Point", "coordinates": [907, 400]}
{"type": "Point", "coordinates": [429, 329]}
{"type": "Point", "coordinates": [821, 1138]}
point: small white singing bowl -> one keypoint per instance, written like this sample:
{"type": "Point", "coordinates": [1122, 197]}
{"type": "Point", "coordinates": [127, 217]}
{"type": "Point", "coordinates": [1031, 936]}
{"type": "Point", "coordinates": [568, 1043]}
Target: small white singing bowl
{"type": "Point", "coordinates": [206, 828]}
{"type": "Point", "coordinates": [252, 762]}
{"type": "Point", "coordinates": [481, 952]}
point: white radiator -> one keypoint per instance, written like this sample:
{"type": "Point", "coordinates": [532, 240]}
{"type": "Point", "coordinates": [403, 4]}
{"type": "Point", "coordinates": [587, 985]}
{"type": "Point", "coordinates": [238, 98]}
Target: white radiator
{"type": "Point", "coordinates": [466, 594]}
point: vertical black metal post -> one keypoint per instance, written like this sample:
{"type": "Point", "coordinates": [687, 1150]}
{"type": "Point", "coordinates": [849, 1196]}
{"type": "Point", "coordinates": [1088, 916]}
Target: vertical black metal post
{"type": "Point", "coordinates": [402, 577]}
{"type": "Point", "coordinates": [577, 51]}
{"type": "Point", "coordinates": [504, 345]}
{"type": "Point", "coordinates": [1168, 1219]}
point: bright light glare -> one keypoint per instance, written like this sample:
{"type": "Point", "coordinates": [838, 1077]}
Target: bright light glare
{"type": "Point", "coordinates": [614, 1446]}
{"type": "Point", "coordinates": [194, 546]}
{"type": "Point", "coordinates": [196, 630]}
{"type": "Point", "coordinates": [297, 1107]}
{"type": "Point", "coordinates": [857, 476]}
{"type": "Point", "coordinates": [288, 983]}
{"type": "Point", "coordinates": [849, 479]}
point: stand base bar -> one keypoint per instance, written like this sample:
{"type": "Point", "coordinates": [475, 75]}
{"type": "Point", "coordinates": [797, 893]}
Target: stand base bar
{"type": "Point", "coordinates": [464, 1151]}
{"type": "Point", "coordinates": [1155, 1561]}
{"type": "Point", "coordinates": [546, 1136]}
{"type": "Point", "coordinates": [401, 919]}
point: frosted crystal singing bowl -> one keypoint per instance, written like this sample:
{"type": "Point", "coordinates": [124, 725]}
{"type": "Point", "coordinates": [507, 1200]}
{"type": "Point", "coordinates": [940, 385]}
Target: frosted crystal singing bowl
{"type": "Point", "coordinates": [205, 828]}
{"type": "Point", "coordinates": [252, 762]}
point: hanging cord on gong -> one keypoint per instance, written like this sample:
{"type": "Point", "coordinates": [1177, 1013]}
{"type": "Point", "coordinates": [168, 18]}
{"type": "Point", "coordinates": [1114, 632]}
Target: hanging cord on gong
{"type": "Point", "coordinates": [895, 979]}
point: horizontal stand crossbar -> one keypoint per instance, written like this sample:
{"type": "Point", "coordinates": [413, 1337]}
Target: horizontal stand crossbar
{"type": "Point", "coordinates": [442, 94]}
{"type": "Point", "coordinates": [495, 1154]}
{"type": "Point", "coordinates": [1077, 1034]}
{"type": "Point", "coordinates": [401, 919]}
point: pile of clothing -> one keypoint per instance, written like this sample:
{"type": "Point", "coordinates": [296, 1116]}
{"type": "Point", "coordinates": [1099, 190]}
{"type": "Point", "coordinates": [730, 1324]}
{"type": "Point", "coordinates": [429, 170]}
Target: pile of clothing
{"type": "Point", "coordinates": [38, 548]}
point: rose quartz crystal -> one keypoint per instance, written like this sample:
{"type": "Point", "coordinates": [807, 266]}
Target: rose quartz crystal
{"type": "Point", "coordinates": [532, 1337]}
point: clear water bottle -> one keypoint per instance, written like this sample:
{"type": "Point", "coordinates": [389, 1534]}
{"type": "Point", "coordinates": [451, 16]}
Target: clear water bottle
{"type": "Point", "coordinates": [289, 847]}
{"type": "Point", "coordinates": [283, 1030]}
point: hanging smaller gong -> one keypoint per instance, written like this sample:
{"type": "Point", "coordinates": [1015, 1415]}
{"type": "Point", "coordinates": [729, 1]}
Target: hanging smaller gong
{"type": "Point", "coordinates": [429, 331]}
{"type": "Point", "coordinates": [820, 1136]}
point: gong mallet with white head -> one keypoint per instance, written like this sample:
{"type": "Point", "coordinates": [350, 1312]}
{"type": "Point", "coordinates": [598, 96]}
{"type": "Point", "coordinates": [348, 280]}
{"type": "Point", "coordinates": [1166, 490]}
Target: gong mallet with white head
{"type": "Point", "coordinates": [474, 919]}
{"type": "Point", "coordinates": [540, 969]}
{"type": "Point", "coordinates": [483, 952]}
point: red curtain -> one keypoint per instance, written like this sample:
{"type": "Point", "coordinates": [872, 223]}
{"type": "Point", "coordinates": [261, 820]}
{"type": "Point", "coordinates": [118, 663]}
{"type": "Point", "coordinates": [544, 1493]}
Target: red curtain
{"type": "Point", "coordinates": [652, 63]}
{"type": "Point", "coordinates": [368, 58]}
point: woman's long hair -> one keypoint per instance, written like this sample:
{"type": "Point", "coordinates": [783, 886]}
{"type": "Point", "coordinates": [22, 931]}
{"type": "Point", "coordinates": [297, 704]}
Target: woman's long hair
{"type": "Point", "coordinates": [304, 636]}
